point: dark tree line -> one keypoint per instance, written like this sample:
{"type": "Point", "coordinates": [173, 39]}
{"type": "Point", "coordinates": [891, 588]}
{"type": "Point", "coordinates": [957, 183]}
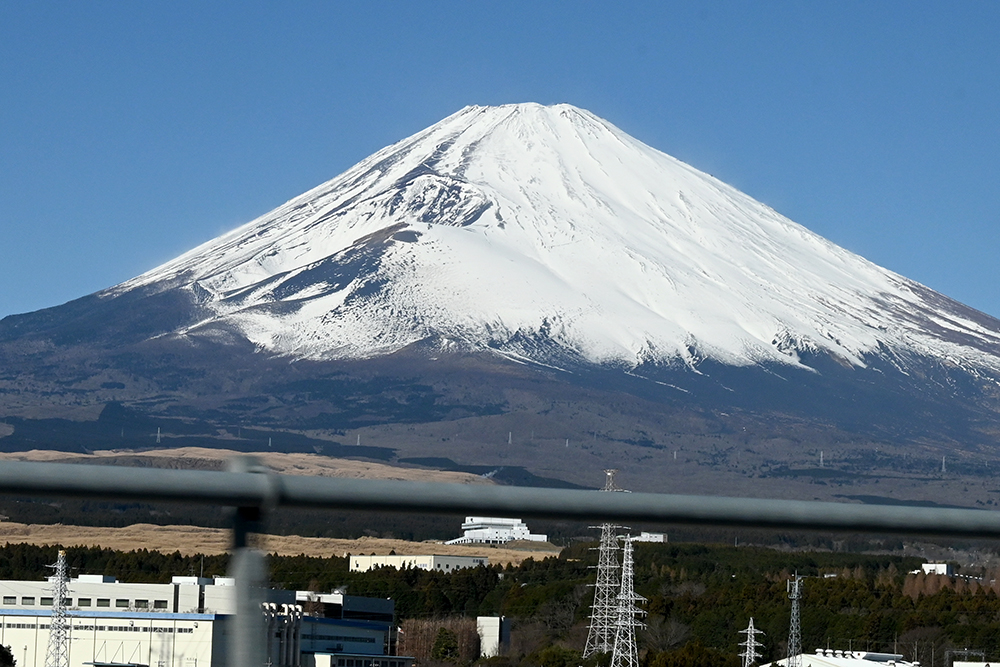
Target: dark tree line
{"type": "Point", "coordinates": [698, 598]}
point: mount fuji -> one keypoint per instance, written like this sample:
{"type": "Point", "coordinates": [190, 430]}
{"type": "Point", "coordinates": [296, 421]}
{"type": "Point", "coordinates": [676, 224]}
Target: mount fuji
{"type": "Point", "coordinates": [509, 260]}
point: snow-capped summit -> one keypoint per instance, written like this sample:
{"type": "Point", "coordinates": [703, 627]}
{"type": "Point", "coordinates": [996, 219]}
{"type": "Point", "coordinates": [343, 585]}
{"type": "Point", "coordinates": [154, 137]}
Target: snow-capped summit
{"type": "Point", "coordinates": [525, 229]}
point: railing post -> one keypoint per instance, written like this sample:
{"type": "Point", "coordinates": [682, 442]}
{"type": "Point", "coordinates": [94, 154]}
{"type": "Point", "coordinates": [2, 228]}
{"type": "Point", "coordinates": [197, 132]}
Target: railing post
{"type": "Point", "coordinates": [248, 638]}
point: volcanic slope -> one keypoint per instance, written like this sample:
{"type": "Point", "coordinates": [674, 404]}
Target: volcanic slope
{"type": "Point", "coordinates": [507, 259]}
{"type": "Point", "coordinates": [524, 221]}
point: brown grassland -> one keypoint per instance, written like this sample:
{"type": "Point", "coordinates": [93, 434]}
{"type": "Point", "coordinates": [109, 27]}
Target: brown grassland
{"type": "Point", "coordinates": [190, 540]}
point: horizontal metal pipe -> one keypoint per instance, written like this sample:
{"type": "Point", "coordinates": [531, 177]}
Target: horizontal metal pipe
{"type": "Point", "coordinates": [272, 490]}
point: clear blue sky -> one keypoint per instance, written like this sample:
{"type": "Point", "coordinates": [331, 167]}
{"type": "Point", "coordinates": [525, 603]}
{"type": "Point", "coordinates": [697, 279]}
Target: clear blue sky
{"type": "Point", "coordinates": [133, 131]}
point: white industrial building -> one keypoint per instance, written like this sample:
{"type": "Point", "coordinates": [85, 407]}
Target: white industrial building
{"type": "Point", "coordinates": [495, 530]}
{"type": "Point", "coordinates": [494, 635]}
{"type": "Point", "coordinates": [650, 537]}
{"type": "Point", "coordinates": [829, 658]}
{"type": "Point", "coordinates": [362, 563]}
{"type": "Point", "coordinates": [185, 624]}
{"type": "Point", "coordinates": [93, 592]}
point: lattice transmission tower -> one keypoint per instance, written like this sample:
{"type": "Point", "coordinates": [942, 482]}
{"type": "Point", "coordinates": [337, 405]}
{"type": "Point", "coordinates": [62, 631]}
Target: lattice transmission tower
{"type": "Point", "coordinates": [626, 651]}
{"type": "Point", "coordinates": [57, 654]}
{"type": "Point", "coordinates": [604, 613]}
{"type": "Point", "coordinates": [794, 658]}
{"type": "Point", "coordinates": [751, 645]}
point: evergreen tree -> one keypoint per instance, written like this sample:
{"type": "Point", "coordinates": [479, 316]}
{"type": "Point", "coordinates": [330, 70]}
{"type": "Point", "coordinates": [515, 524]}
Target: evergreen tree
{"type": "Point", "coordinates": [445, 646]}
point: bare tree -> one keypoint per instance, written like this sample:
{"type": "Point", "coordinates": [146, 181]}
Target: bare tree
{"type": "Point", "coordinates": [663, 634]}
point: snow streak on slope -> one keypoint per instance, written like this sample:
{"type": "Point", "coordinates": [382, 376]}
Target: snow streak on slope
{"type": "Point", "coordinates": [518, 226]}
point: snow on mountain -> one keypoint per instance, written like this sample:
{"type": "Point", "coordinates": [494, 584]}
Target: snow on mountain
{"type": "Point", "coordinates": [499, 226]}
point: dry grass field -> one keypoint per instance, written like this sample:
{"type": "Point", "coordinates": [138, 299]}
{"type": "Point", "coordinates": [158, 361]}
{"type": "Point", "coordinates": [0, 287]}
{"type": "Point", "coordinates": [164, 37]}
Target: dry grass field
{"type": "Point", "coordinates": [189, 540]}
{"type": "Point", "coordinates": [216, 459]}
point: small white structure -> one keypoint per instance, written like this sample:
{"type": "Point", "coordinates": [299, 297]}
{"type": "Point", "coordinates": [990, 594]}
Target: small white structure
{"type": "Point", "coordinates": [494, 635]}
{"type": "Point", "coordinates": [650, 537]}
{"type": "Point", "coordinates": [946, 569]}
{"type": "Point", "coordinates": [831, 658]}
{"type": "Point", "coordinates": [362, 563]}
{"type": "Point", "coordinates": [959, 663]}
{"type": "Point", "coordinates": [495, 530]}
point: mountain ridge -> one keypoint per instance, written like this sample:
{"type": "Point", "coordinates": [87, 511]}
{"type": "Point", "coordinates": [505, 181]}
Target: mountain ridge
{"type": "Point", "coordinates": [526, 264]}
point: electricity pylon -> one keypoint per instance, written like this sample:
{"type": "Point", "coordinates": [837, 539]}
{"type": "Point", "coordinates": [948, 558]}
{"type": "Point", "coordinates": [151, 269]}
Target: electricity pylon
{"type": "Point", "coordinates": [604, 613]}
{"type": "Point", "coordinates": [626, 651]}
{"type": "Point", "coordinates": [751, 645]}
{"type": "Point", "coordinates": [57, 654]}
{"type": "Point", "coordinates": [794, 659]}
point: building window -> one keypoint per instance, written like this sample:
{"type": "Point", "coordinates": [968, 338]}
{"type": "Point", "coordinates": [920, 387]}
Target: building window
{"type": "Point", "coordinates": [159, 604]}
{"type": "Point", "coordinates": [30, 601]}
{"type": "Point", "coordinates": [9, 599]}
{"type": "Point", "coordinates": [45, 602]}
{"type": "Point", "coordinates": [83, 602]}
{"type": "Point", "coordinates": [142, 604]}
{"type": "Point", "coordinates": [103, 602]}
{"type": "Point", "coordinates": [121, 603]}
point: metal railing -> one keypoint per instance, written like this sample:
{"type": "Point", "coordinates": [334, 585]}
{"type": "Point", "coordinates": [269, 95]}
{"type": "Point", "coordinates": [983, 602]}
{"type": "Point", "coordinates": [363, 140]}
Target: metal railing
{"type": "Point", "coordinates": [253, 490]}
{"type": "Point", "coordinates": [259, 488]}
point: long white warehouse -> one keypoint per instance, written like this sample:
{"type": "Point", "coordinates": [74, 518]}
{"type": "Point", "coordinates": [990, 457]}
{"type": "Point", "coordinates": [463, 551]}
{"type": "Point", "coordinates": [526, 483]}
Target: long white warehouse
{"type": "Point", "coordinates": [363, 563]}
{"type": "Point", "coordinates": [185, 624]}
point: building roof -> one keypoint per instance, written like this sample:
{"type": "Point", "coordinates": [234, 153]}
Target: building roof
{"type": "Point", "coordinates": [831, 658]}
{"type": "Point", "coordinates": [79, 613]}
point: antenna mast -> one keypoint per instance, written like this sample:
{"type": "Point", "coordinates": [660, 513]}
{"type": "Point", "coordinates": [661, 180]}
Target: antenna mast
{"type": "Point", "coordinates": [750, 653]}
{"type": "Point", "coordinates": [626, 652]}
{"type": "Point", "coordinates": [57, 654]}
{"type": "Point", "coordinates": [604, 614]}
{"type": "Point", "coordinates": [795, 627]}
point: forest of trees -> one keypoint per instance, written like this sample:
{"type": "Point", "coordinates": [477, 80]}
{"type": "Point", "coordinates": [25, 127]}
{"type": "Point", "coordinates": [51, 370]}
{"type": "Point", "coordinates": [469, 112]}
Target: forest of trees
{"type": "Point", "coordinates": [698, 598]}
